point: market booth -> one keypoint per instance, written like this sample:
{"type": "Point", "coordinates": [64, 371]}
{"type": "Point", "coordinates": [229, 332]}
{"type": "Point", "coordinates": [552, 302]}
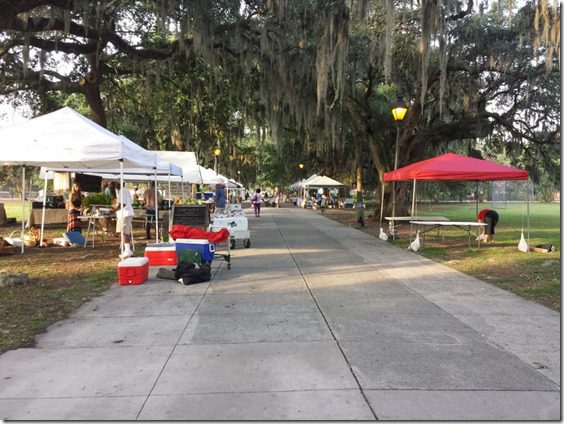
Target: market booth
{"type": "Point", "coordinates": [452, 167]}
{"type": "Point", "coordinates": [65, 139]}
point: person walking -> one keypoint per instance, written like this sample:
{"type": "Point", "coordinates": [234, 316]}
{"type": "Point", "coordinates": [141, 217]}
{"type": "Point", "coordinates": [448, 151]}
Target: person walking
{"type": "Point", "coordinates": [256, 199]}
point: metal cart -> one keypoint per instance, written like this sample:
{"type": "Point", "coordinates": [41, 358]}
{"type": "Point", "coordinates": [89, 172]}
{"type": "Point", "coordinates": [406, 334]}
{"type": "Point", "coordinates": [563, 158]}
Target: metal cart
{"type": "Point", "coordinates": [238, 228]}
{"type": "Point", "coordinates": [226, 255]}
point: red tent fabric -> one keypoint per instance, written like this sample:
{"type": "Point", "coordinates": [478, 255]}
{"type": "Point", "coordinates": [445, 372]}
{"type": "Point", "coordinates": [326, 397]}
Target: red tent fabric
{"type": "Point", "coordinates": [185, 231]}
{"type": "Point", "coordinates": [453, 167]}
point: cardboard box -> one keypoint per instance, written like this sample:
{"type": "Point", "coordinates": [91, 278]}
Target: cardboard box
{"type": "Point", "coordinates": [133, 271]}
{"type": "Point", "coordinates": [161, 254]}
{"type": "Point", "coordinates": [206, 249]}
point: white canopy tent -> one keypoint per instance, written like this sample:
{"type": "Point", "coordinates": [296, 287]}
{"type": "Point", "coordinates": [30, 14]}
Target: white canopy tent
{"type": "Point", "coordinates": [161, 169]}
{"type": "Point", "coordinates": [322, 182]}
{"type": "Point", "coordinates": [66, 139]}
{"type": "Point", "coordinates": [300, 186]}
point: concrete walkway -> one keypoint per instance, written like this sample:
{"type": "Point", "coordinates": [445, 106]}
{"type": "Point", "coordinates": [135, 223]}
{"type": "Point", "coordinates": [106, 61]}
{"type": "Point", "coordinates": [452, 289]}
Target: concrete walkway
{"type": "Point", "coordinates": [316, 321]}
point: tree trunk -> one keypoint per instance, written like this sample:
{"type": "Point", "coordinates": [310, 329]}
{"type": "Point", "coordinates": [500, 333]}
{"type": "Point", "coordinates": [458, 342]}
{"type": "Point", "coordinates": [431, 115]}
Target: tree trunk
{"type": "Point", "coordinates": [90, 84]}
{"type": "Point", "coordinates": [358, 169]}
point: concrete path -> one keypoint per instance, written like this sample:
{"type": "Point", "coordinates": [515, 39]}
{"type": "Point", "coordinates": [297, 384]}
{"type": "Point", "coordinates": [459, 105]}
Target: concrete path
{"type": "Point", "coordinates": [316, 321]}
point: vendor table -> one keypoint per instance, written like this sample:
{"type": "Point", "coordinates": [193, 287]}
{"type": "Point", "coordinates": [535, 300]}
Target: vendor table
{"type": "Point", "coordinates": [102, 224]}
{"type": "Point", "coordinates": [52, 216]}
{"type": "Point", "coordinates": [464, 225]}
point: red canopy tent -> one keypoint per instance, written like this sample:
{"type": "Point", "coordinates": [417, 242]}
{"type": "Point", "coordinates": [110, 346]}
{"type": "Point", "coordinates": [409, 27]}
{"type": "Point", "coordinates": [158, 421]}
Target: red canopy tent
{"type": "Point", "coordinates": [453, 167]}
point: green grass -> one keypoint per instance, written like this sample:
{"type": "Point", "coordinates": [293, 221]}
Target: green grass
{"type": "Point", "coordinates": [531, 275]}
{"type": "Point", "coordinates": [544, 220]}
{"type": "Point", "coordinates": [28, 310]}
{"type": "Point", "coordinates": [14, 208]}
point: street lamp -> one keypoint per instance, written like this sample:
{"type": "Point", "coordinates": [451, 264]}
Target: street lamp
{"type": "Point", "coordinates": [399, 109]}
{"type": "Point", "coordinates": [216, 153]}
{"type": "Point", "coordinates": [301, 194]}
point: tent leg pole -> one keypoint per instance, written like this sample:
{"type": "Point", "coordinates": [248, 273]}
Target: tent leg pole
{"type": "Point", "coordinates": [156, 209]}
{"type": "Point", "coordinates": [122, 241]}
{"type": "Point", "coordinates": [23, 208]}
{"type": "Point", "coordinates": [44, 206]}
{"type": "Point", "coordinates": [412, 209]}
{"type": "Point", "coordinates": [169, 190]}
{"type": "Point", "coordinates": [477, 196]}
{"type": "Point", "coordinates": [382, 205]}
{"type": "Point", "coordinates": [528, 215]}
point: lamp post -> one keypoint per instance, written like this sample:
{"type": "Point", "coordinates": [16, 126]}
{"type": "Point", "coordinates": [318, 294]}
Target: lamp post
{"type": "Point", "coordinates": [216, 153]}
{"type": "Point", "coordinates": [399, 109]}
{"type": "Point", "coordinates": [300, 188]}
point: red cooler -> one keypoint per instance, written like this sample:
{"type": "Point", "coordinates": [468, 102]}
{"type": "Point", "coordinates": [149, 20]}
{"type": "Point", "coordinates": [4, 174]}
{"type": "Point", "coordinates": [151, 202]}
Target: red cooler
{"type": "Point", "coordinates": [161, 254]}
{"type": "Point", "coordinates": [133, 271]}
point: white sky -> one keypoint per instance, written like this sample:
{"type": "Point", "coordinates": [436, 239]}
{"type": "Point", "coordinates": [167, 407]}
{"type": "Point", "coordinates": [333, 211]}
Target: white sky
{"type": "Point", "coordinates": [10, 116]}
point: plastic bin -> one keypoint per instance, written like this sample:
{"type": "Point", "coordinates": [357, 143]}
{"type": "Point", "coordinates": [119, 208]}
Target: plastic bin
{"type": "Point", "coordinates": [133, 271]}
{"type": "Point", "coordinates": [206, 249]}
{"type": "Point", "coordinates": [161, 254]}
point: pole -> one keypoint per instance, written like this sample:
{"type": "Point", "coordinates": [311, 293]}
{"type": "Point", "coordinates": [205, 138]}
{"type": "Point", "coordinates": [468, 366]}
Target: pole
{"type": "Point", "coordinates": [394, 183]}
{"type": "Point", "coordinates": [528, 214]}
{"type": "Point", "coordinates": [43, 210]}
{"type": "Point", "coordinates": [157, 238]}
{"type": "Point", "coordinates": [23, 208]}
{"type": "Point", "coordinates": [120, 210]}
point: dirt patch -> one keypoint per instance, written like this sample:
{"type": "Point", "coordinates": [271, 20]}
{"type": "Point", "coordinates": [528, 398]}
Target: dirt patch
{"type": "Point", "coordinates": [62, 278]}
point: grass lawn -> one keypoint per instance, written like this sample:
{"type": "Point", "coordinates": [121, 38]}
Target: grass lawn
{"type": "Point", "coordinates": [534, 276]}
{"type": "Point", "coordinates": [13, 208]}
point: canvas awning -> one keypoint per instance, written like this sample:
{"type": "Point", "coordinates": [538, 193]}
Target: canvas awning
{"type": "Point", "coordinates": [66, 139]}
{"type": "Point", "coordinates": [453, 167]}
{"type": "Point", "coordinates": [323, 182]}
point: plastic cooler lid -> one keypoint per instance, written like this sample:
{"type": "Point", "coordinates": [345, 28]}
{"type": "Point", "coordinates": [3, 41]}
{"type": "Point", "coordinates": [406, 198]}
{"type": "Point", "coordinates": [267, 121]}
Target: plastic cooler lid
{"type": "Point", "coordinates": [150, 246]}
{"type": "Point", "coordinates": [139, 261]}
{"type": "Point", "coordinates": [192, 241]}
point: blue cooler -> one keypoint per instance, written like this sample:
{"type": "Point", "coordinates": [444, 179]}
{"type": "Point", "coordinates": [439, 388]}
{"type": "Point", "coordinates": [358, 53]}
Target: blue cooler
{"type": "Point", "coordinates": [206, 249]}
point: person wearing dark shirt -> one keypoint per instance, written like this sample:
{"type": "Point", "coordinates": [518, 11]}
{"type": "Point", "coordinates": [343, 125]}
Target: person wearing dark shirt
{"type": "Point", "coordinates": [490, 218]}
{"type": "Point", "coordinates": [220, 199]}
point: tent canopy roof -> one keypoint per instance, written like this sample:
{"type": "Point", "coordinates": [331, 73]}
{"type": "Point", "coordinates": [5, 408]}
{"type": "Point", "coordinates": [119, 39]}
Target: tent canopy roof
{"type": "Point", "coordinates": [453, 167]}
{"type": "Point", "coordinates": [182, 159]}
{"type": "Point", "coordinates": [66, 139]}
{"type": "Point", "coordinates": [322, 181]}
